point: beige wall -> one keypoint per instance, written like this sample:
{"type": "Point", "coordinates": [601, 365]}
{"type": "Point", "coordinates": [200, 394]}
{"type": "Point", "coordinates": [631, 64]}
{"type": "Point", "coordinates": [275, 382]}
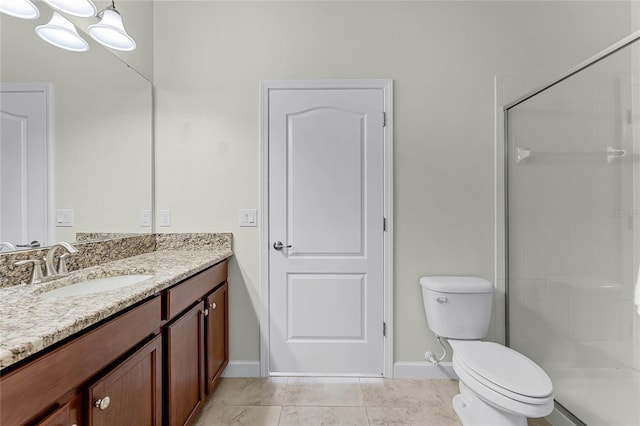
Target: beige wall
{"type": "Point", "coordinates": [442, 56]}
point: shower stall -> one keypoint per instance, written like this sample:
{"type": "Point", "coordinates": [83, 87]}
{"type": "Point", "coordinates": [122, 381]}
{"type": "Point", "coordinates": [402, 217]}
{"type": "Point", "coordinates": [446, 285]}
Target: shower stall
{"type": "Point", "coordinates": [572, 190]}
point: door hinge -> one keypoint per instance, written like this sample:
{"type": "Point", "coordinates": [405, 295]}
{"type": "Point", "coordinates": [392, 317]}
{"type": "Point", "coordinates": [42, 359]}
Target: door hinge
{"type": "Point", "coordinates": [384, 119]}
{"type": "Point", "coordinates": [384, 224]}
{"type": "Point", "coordinates": [384, 329]}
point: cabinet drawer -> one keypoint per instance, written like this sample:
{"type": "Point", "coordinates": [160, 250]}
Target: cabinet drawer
{"type": "Point", "coordinates": [183, 295]}
{"type": "Point", "coordinates": [21, 391]}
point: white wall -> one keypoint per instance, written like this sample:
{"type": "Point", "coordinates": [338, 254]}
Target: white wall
{"type": "Point", "coordinates": [442, 56]}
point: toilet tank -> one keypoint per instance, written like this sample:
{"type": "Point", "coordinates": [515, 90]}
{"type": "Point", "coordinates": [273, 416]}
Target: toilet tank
{"type": "Point", "coordinates": [457, 307]}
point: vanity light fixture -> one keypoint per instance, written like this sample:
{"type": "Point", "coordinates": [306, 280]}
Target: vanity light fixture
{"type": "Point", "coordinates": [110, 30]}
{"type": "Point", "coordinates": [62, 33]}
{"type": "Point", "coordinates": [19, 8]}
{"type": "Point", "coordinates": [81, 8]}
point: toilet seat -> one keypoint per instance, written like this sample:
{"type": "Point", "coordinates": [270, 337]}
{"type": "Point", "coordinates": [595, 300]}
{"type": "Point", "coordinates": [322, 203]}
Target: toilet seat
{"type": "Point", "coordinates": [504, 371]}
{"type": "Point", "coordinates": [532, 407]}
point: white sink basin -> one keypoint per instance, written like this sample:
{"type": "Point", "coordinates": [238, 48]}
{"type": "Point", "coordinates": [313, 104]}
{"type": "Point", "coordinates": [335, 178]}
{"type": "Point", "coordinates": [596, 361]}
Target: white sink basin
{"type": "Point", "coordinates": [97, 285]}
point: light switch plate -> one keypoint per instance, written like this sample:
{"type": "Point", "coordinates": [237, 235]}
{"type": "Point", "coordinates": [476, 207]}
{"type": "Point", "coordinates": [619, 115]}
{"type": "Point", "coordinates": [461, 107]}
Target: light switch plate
{"type": "Point", "coordinates": [145, 218]}
{"type": "Point", "coordinates": [165, 217]}
{"type": "Point", "coordinates": [248, 217]}
{"type": "Point", "coordinates": [64, 218]}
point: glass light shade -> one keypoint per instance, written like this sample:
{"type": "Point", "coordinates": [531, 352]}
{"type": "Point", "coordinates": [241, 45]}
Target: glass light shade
{"type": "Point", "coordinates": [62, 33]}
{"type": "Point", "coordinates": [19, 8]}
{"type": "Point", "coordinates": [110, 32]}
{"type": "Point", "coordinates": [81, 8]}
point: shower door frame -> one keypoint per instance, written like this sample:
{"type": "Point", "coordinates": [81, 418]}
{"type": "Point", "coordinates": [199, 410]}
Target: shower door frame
{"type": "Point", "coordinates": [632, 38]}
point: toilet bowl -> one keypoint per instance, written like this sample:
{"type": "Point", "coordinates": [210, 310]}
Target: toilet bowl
{"type": "Point", "coordinates": [509, 386]}
{"type": "Point", "coordinates": [498, 386]}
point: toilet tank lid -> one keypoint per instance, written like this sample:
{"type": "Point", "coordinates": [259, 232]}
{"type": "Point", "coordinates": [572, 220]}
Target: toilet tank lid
{"type": "Point", "coordinates": [457, 284]}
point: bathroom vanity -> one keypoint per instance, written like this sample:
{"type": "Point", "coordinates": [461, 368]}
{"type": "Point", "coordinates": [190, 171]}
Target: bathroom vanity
{"type": "Point", "coordinates": [196, 341]}
{"type": "Point", "coordinates": [147, 354]}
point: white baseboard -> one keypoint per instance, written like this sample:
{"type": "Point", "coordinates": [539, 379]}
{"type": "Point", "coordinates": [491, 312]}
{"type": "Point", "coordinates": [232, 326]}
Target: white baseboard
{"type": "Point", "coordinates": [423, 370]}
{"type": "Point", "coordinates": [242, 369]}
{"type": "Point", "coordinates": [401, 370]}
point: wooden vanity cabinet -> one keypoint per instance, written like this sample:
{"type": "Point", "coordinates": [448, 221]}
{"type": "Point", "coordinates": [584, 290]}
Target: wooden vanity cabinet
{"type": "Point", "coordinates": [41, 390]}
{"type": "Point", "coordinates": [196, 342]}
{"type": "Point", "coordinates": [155, 362]}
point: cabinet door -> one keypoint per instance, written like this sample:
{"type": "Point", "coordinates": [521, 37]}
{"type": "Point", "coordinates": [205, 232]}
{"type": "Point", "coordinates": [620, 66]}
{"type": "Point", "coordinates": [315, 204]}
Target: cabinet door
{"type": "Point", "coordinates": [217, 343]}
{"type": "Point", "coordinates": [185, 366]}
{"type": "Point", "coordinates": [65, 415]}
{"type": "Point", "coordinates": [130, 393]}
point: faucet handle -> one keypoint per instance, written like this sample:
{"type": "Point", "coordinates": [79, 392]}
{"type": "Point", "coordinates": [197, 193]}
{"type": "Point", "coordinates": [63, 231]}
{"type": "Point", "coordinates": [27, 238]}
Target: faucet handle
{"type": "Point", "coordinates": [62, 265]}
{"type": "Point", "coordinates": [36, 273]}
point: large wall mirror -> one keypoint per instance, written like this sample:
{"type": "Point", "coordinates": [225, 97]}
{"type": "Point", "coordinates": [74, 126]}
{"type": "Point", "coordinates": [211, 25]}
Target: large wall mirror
{"type": "Point", "coordinates": [88, 169]}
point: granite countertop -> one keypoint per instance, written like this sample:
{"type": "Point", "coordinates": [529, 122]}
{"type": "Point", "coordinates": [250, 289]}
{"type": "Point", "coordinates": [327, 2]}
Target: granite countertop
{"type": "Point", "coordinates": [30, 323]}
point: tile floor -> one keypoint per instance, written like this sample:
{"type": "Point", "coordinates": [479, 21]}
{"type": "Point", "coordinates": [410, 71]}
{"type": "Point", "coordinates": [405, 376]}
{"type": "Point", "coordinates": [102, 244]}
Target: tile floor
{"type": "Point", "coordinates": [299, 401]}
{"type": "Point", "coordinates": [329, 401]}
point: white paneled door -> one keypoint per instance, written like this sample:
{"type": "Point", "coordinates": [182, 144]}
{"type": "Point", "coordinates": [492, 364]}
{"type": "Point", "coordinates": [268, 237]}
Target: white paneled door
{"type": "Point", "coordinates": [326, 237]}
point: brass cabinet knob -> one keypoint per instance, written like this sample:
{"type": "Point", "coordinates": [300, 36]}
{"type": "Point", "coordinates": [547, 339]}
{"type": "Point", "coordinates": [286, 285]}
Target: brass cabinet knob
{"type": "Point", "coordinates": [103, 403]}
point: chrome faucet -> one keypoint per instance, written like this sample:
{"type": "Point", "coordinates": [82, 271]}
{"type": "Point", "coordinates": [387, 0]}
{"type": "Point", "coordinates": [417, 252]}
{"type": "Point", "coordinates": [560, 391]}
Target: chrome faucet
{"type": "Point", "coordinates": [50, 271]}
{"type": "Point", "coordinates": [7, 245]}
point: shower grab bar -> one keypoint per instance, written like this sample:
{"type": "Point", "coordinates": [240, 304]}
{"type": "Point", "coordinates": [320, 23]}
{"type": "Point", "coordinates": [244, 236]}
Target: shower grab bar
{"type": "Point", "coordinates": [611, 153]}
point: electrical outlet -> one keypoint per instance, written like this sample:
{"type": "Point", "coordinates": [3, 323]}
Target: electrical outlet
{"type": "Point", "coordinates": [145, 218]}
{"type": "Point", "coordinates": [165, 217]}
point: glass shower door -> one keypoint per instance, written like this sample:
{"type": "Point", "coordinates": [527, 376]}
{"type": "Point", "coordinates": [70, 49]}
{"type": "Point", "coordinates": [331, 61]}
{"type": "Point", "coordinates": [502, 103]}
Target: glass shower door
{"type": "Point", "coordinates": [573, 217]}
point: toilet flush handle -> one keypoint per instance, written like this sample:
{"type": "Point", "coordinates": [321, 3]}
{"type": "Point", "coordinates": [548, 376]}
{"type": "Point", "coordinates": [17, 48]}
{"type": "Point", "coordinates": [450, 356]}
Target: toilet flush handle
{"type": "Point", "coordinates": [440, 299]}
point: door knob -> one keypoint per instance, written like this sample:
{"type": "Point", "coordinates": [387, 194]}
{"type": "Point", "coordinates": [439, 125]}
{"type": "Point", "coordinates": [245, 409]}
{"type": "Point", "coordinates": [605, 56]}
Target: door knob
{"type": "Point", "coordinates": [279, 246]}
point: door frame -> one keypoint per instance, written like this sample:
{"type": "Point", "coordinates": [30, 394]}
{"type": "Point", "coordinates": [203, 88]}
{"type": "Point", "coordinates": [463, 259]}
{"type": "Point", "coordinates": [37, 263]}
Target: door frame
{"type": "Point", "coordinates": [386, 85]}
{"type": "Point", "coordinates": [47, 89]}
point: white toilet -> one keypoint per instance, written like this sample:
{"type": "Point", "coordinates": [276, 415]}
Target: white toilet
{"type": "Point", "coordinates": [498, 386]}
